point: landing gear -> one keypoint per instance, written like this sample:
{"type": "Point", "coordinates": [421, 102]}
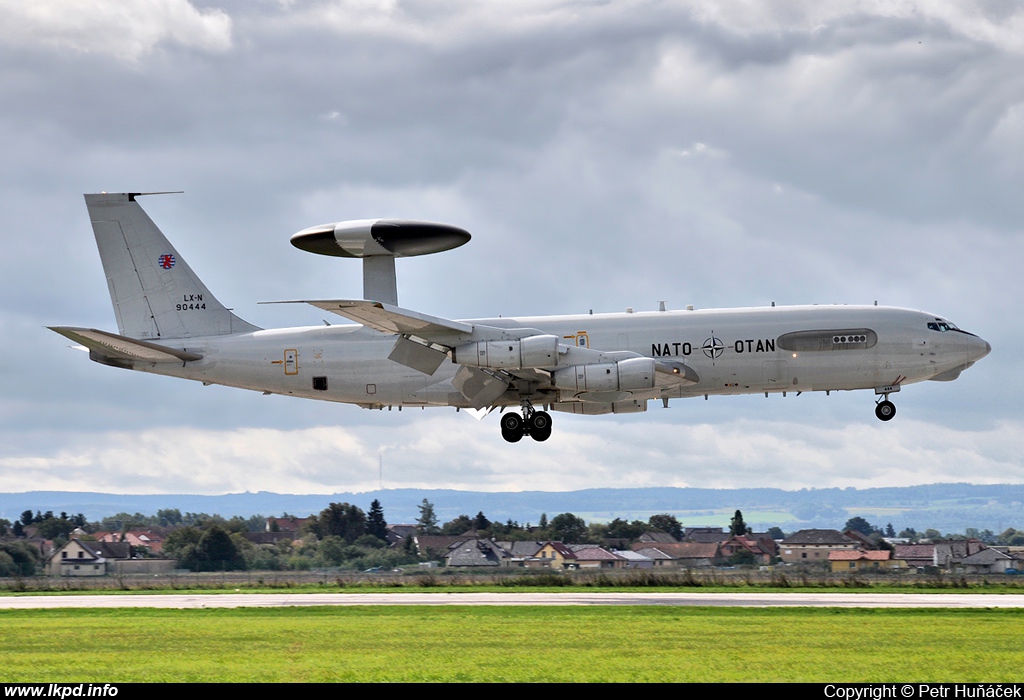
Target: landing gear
{"type": "Point", "coordinates": [512, 428]}
{"type": "Point", "coordinates": [536, 424]}
{"type": "Point", "coordinates": [885, 410]}
{"type": "Point", "coordinates": [540, 426]}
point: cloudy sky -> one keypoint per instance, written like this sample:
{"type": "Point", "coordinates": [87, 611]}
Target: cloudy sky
{"type": "Point", "coordinates": [603, 154]}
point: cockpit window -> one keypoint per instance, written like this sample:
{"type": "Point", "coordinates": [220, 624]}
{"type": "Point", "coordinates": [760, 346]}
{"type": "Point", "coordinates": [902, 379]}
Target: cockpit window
{"type": "Point", "coordinates": [942, 326]}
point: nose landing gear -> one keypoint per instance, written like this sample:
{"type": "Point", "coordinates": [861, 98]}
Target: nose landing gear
{"type": "Point", "coordinates": [885, 410]}
{"type": "Point", "coordinates": [536, 424]}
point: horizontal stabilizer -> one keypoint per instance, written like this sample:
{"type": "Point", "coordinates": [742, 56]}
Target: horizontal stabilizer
{"type": "Point", "coordinates": [112, 346]}
{"type": "Point", "coordinates": [386, 318]}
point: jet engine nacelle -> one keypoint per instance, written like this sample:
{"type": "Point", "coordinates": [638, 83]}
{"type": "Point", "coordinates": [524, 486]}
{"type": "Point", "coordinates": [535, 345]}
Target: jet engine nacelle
{"type": "Point", "coordinates": [534, 351]}
{"type": "Point", "coordinates": [634, 374]}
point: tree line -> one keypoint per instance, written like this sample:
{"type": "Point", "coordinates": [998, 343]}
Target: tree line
{"type": "Point", "coordinates": [343, 535]}
{"type": "Point", "coordinates": [564, 527]}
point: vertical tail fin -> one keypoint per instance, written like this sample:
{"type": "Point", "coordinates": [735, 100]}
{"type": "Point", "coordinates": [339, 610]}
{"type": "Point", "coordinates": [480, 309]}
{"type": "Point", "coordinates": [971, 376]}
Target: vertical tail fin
{"type": "Point", "coordinates": [154, 291]}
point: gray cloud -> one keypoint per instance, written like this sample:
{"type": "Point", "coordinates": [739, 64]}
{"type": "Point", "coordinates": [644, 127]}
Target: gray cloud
{"type": "Point", "coordinates": [125, 32]}
{"type": "Point", "coordinates": [604, 155]}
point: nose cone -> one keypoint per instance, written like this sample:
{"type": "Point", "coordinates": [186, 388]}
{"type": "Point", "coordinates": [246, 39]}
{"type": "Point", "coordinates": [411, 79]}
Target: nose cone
{"type": "Point", "coordinates": [979, 349]}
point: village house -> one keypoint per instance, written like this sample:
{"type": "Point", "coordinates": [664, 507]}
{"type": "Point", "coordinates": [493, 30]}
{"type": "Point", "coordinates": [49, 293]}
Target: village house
{"type": "Point", "coordinates": [657, 558]}
{"type": "Point", "coordinates": [590, 556]}
{"type": "Point", "coordinates": [989, 561]}
{"type": "Point", "coordinates": [916, 556]}
{"type": "Point", "coordinates": [288, 524]}
{"type": "Point", "coordinates": [706, 535]}
{"type": "Point", "coordinates": [814, 545]}
{"type": "Point", "coordinates": [84, 558]}
{"type": "Point", "coordinates": [950, 554]}
{"type": "Point", "coordinates": [152, 541]}
{"type": "Point", "coordinates": [742, 547]}
{"type": "Point", "coordinates": [683, 554]}
{"type": "Point", "coordinates": [555, 555]}
{"type": "Point", "coordinates": [656, 537]}
{"type": "Point", "coordinates": [846, 560]}
{"type": "Point", "coordinates": [635, 560]}
{"type": "Point", "coordinates": [476, 552]}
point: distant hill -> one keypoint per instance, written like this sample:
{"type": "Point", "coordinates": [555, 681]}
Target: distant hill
{"type": "Point", "coordinates": [945, 507]}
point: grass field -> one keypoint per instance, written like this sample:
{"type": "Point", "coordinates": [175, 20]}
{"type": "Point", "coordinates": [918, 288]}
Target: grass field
{"type": "Point", "coordinates": [505, 644]}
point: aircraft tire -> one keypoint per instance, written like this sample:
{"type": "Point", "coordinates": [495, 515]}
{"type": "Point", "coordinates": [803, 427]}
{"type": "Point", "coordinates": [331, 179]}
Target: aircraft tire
{"type": "Point", "coordinates": [512, 428]}
{"type": "Point", "coordinates": [540, 426]}
{"type": "Point", "coordinates": [885, 410]}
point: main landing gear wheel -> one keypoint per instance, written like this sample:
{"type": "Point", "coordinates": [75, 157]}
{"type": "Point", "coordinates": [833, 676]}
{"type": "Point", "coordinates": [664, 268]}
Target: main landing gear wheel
{"type": "Point", "coordinates": [885, 410]}
{"type": "Point", "coordinates": [536, 424]}
{"type": "Point", "coordinates": [512, 427]}
{"type": "Point", "coordinates": [540, 426]}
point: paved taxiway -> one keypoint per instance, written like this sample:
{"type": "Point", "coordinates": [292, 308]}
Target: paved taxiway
{"type": "Point", "coordinates": [757, 600]}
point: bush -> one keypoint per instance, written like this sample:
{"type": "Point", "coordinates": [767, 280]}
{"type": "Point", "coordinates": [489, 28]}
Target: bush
{"type": "Point", "coordinates": [18, 559]}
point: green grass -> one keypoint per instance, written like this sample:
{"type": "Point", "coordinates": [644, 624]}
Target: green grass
{"type": "Point", "coordinates": [511, 644]}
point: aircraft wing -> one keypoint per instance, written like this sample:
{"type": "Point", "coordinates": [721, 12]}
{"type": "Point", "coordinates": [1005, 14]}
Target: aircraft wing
{"type": "Point", "coordinates": [387, 318]}
{"type": "Point", "coordinates": [118, 347]}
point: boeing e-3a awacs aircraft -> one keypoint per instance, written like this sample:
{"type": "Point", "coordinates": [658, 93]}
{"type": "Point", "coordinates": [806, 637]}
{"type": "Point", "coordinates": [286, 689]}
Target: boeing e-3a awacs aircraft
{"type": "Point", "coordinates": [169, 323]}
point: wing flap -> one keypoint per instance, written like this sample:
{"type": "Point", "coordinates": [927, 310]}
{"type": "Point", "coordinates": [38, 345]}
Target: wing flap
{"type": "Point", "coordinates": [118, 347]}
{"type": "Point", "coordinates": [480, 387]}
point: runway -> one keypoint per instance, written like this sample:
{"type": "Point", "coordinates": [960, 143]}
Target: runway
{"type": "Point", "coordinates": [754, 600]}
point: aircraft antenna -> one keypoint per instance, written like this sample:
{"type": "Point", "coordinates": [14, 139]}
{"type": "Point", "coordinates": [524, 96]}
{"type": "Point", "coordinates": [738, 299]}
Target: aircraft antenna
{"type": "Point", "coordinates": [133, 195]}
{"type": "Point", "coordinates": [378, 242]}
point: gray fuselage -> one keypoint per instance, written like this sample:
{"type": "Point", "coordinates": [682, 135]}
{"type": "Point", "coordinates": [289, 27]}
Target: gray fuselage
{"type": "Point", "coordinates": [734, 351]}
